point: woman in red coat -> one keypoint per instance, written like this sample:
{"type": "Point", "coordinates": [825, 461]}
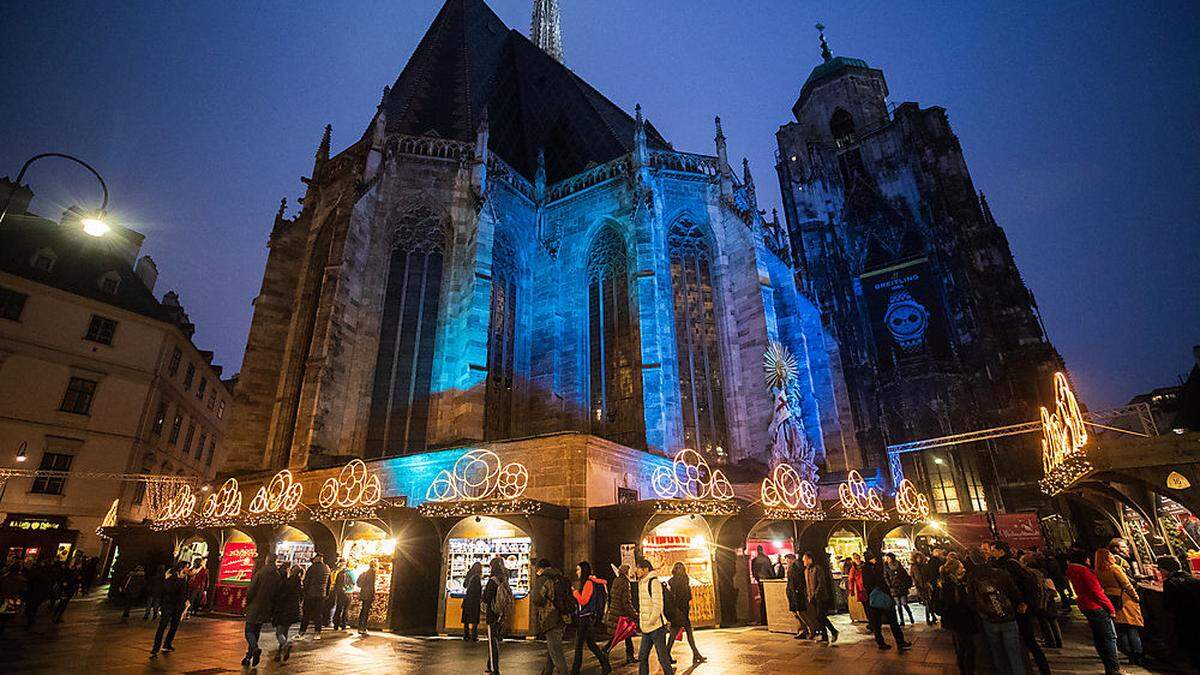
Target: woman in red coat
{"type": "Point", "coordinates": [856, 594]}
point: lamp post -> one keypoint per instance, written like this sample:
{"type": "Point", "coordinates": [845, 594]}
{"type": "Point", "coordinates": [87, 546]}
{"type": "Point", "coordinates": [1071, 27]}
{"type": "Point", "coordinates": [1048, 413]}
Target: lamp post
{"type": "Point", "coordinates": [96, 226]}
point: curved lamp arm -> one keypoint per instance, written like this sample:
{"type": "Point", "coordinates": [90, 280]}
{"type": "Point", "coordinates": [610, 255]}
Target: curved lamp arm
{"type": "Point", "coordinates": [31, 160]}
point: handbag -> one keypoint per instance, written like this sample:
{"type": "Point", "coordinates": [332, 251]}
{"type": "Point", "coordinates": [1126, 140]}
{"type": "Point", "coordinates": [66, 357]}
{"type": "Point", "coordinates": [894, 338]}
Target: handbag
{"type": "Point", "coordinates": [879, 599]}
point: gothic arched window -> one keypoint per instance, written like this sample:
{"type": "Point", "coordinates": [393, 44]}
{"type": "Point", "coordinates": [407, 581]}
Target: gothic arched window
{"type": "Point", "coordinates": [614, 347]}
{"type": "Point", "coordinates": [841, 125]}
{"type": "Point", "coordinates": [697, 342]}
{"type": "Point", "coordinates": [400, 395]}
{"type": "Point", "coordinates": [498, 414]}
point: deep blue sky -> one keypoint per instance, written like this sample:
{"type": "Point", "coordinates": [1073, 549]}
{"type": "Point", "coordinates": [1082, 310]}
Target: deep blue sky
{"type": "Point", "coordinates": [1079, 120]}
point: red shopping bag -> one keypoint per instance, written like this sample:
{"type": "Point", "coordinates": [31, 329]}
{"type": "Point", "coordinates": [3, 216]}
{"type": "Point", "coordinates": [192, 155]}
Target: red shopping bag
{"type": "Point", "coordinates": [625, 628]}
{"type": "Point", "coordinates": [679, 635]}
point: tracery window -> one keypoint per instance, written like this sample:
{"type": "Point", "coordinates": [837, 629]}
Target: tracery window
{"type": "Point", "coordinates": [697, 341]}
{"type": "Point", "coordinates": [498, 415]}
{"type": "Point", "coordinates": [941, 483]}
{"type": "Point", "coordinates": [614, 348]}
{"type": "Point", "coordinates": [404, 366]}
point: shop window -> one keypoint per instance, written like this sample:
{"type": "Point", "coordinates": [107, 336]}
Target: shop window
{"type": "Point", "coordinates": [189, 375]}
{"type": "Point", "coordinates": [12, 304]}
{"type": "Point", "coordinates": [942, 490]}
{"type": "Point", "coordinates": [202, 388]}
{"type": "Point", "coordinates": [187, 439]}
{"type": "Point", "coordinates": [200, 445]}
{"type": "Point", "coordinates": [79, 396]}
{"type": "Point", "coordinates": [101, 330]}
{"type": "Point", "coordinates": [498, 414]}
{"type": "Point", "coordinates": [173, 365]}
{"type": "Point", "coordinates": [614, 351]}
{"type": "Point", "coordinates": [52, 485]}
{"type": "Point", "coordinates": [697, 342]}
{"type": "Point", "coordinates": [160, 418]}
{"type": "Point", "coordinates": [175, 427]}
{"type": "Point", "coordinates": [399, 412]}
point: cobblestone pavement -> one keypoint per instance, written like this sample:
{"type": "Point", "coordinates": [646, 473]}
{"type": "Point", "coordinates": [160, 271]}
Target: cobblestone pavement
{"type": "Point", "coordinates": [93, 640]}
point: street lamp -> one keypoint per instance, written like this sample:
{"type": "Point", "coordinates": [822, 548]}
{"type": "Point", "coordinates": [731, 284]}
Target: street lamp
{"type": "Point", "coordinates": [95, 225]}
{"type": "Point", "coordinates": [21, 451]}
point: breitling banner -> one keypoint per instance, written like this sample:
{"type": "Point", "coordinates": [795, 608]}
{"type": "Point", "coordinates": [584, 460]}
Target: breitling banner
{"type": "Point", "coordinates": [905, 312]}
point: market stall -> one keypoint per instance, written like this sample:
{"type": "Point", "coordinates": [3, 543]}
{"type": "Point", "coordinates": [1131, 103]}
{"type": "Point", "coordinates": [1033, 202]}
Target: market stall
{"type": "Point", "coordinates": [363, 543]}
{"type": "Point", "coordinates": [777, 540]}
{"type": "Point", "coordinates": [192, 549]}
{"type": "Point", "coordinates": [294, 547]}
{"type": "Point", "coordinates": [686, 539]}
{"type": "Point", "coordinates": [844, 543]}
{"type": "Point", "coordinates": [899, 542]}
{"type": "Point", "coordinates": [478, 540]}
{"type": "Point", "coordinates": [238, 553]}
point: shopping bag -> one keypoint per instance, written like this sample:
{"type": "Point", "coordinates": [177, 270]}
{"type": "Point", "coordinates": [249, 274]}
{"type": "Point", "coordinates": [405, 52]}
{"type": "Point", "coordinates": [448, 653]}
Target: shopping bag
{"type": "Point", "coordinates": [879, 599]}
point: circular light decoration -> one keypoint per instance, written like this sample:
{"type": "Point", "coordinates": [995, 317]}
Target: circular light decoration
{"type": "Point", "coordinates": [225, 502]}
{"type": "Point", "coordinates": [282, 494]}
{"type": "Point", "coordinates": [354, 486]}
{"type": "Point", "coordinates": [857, 499]}
{"type": "Point", "coordinates": [690, 477]}
{"type": "Point", "coordinates": [786, 489]}
{"type": "Point", "coordinates": [178, 507]}
{"type": "Point", "coordinates": [479, 475]}
{"type": "Point", "coordinates": [911, 504]}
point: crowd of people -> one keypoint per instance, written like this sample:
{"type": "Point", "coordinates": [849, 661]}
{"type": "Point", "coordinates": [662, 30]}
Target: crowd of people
{"type": "Point", "coordinates": [27, 587]}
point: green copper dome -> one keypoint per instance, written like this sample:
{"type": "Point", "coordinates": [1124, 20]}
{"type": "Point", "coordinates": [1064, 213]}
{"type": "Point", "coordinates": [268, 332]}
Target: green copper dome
{"type": "Point", "coordinates": [834, 64]}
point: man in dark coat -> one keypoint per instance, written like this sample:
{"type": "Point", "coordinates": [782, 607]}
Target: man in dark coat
{"type": "Point", "coordinates": [762, 569]}
{"type": "Point", "coordinates": [819, 593]}
{"type": "Point", "coordinates": [260, 604]}
{"type": "Point", "coordinates": [550, 617]}
{"type": "Point", "coordinates": [1030, 589]}
{"type": "Point", "coordinates": [366, 596]}
{"type": "Point", "coordinates": [342, 585]}
{"type": "Point", "coordinates": [316, 582]}
{"type": "Point", "coordinates": [873, 580]}
{"type": "Point", "coordinates": [174, 598]}
{"type": "Point", "coordinates": [797, 594]}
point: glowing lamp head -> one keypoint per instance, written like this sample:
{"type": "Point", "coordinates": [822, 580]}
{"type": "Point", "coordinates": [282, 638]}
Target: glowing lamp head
{"type": "Point", "coordinates": [95, 227]}
{"type": "Point", "coordinates": [939, 461]}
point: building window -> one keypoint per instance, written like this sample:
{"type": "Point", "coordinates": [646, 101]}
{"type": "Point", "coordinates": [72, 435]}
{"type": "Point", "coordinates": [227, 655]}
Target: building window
{"type": "Point", "coordinates": [109, 283]}
{"type": "Point", "coordinates": [697, 342]}
{"type": "Point", "coordinates": [498, 414]}
{"type": "Point", "coordinates": [160, 418]}
{"type": "Point", "coordinates": [101, 330]}
{"type": "Point", "coordinates": [212, 399]}
{"type": "Point", "coordinates": [78, 398]}
{"type": "Point", "coordinates": [202, 388]}
{"type": "Point", "coordinates": [187, 439]}
{"type": "Point", "coordinates": [615, 379]}
{"type": "Point", "coordinates": [974, 486]}
{"type": "Point", "coordinates": [52, 485]}
{"type": "Point", "coordinates": [12, 304]}
{"type": "Point", "coordinates": [200, 445]}
{"type": "Point", "coordinates": [175, 427]}
{"type": "Point", "coordinates": [212, 450]}
{"type": "Point", "coordinates": [173, 366]}
{"type": "Point", "coordinates": [399, 412]}
{"type": "Point", "coordinates": [941, 483]}
{"type": "Point", "coordinates": [189, 375]}
{"type": "Point", "coordinates": [43, 260]}
{"type": "Point", "coordinates": [841, 126]}
{"type": "Point", "coordinates": [221, 410]}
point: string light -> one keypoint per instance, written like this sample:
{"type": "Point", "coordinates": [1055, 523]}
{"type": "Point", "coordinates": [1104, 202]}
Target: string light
{"type": "Point", "coordinates": [858, 500]}
{"type": "Point", "coordinates": [695, 507]}
{"type": "Point", "coordinates": [179, 507]}
{"type": "Point", "coordinates": [110, 518]}
{"type": "Point", "coordinates": [282, 494]}
{"type": "Point", "coordinates": [224, 503]}
{"type": "Point", "coordinates": [1063, 438]}
{"type": "Point", "coordinates": [479, 475]}
{"type": "Point", "coordinates": [460, 509]}
{"type": "Point", "coordinates": [690, 477]}
{"type": "Point", "coordinates": [354, 486]}
{"type": "Point", "coordinates": [911, 505]}
{"type": "Point", "coordinates": [787, 496]}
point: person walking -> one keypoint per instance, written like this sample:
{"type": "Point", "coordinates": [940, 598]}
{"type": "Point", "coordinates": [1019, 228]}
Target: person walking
{"type": "Point", "coordinates": [1181, 599]}
{"type": "Point", "coordinates": [341, 588]}
{"type": "Point", "coordinates": [87, 574]}
{"type": "Point", "coordinates": [68, 586]}
{"type": "Point", "coordinates": [260, 605]}
{"type": "Point", "coordinates": [819, 590]}
{"type": "Point", "coordinates": [198, 587]}
{"type": "Point", "coordinates": [923, 582]}
{"type": "Point", "coordinates": [174, 600]}
{"type": "Point", "coordinates": [681, 597]}
{"type": "Point", "coordinates": [932, 573]}
{"type": "Point", "coordinates": [762, 569]}
{"type": "Point", "coordinates": [1125, 600]}
{"type": "Point", "coordinates": [12, 593]}
{"type": "Point", "coordinates": [366, 596]}
{"type": "Point", "coordinates": [856, 594]}
{"type": "Point", "coordinates": [154, 590]}
{"type": "Point", "coordinates": [958, 616]}
{"type": "Point", "coordinates": [651, 623]}
{"type": "Point", "coordinates": [996, 597]}
{"type": "Point", "coordinates": [286, 610]}
{"type": "Point", "coordinates": [132, 588]}
{"type": "Point", "coordinates": [473, 585]}
{"type": "Point", "coordinates": [550, 607]}
{"type": "Point", "coordinates": [899, 583]}
{"type": "Point", "coordinates": [498, 604]}
{"type": "Point", "coordinates": [590, 597]}
{"type": "Point", "coordinates": [797, 595]}
{"type": "Point", "coordinates": [1046, 611]}
{"type": "Point", "coordinates": [880, 607]}
{"type": "Point", "coordinates": [1031, 592]}
{"type": "Point", "coordinates": [1096, 608]}
{"type": "Point", "coordinates": [316, 584]}
{"type": "Point", "coordinates": [620, 605]}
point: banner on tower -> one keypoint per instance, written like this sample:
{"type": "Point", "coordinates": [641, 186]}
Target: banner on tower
{"type": "Point", "coordinates": [905, 311]}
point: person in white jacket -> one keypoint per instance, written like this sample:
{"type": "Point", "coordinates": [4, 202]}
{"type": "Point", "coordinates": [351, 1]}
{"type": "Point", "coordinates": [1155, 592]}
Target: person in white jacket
{"type": "Point", "coordinates": [651, 623]}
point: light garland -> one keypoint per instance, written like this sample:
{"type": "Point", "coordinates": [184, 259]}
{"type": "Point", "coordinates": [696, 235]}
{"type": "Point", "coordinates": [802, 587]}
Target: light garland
{"type": "Point", "coordinates": [691, 478]}
{"type": "Point", "coordinates": [282, 494]}
{"type": "Point", "coordinates": [911, 505]}
{"type": "Point", "coordinates": [354, 486]}
{"type": "Point", "coordinates": [110, 518]}
{"type": "Point", "coordinates": [224, 503]}
{"type": "Point", "coordinates": [181, 506]}
{"type": "Point", "coordinates": [478, 475]}
{"type": "Point", "coordinates": [858, 500]}
{"type": "Point", "coordinates": [1063, 438]}
{"type": "Point", "coordinates": [695, 507]}
{"type": "Point", "coordinates": [459, 509]}
{"type": "Point", "coordinates": [785, 488]}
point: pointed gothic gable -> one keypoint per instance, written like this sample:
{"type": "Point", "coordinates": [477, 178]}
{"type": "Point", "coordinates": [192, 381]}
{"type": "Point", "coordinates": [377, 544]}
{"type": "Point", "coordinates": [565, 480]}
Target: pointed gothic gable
{"type": "Point", "coordinates": [469, 60]}
{"type": "Point", "coordinates": [886, 234]}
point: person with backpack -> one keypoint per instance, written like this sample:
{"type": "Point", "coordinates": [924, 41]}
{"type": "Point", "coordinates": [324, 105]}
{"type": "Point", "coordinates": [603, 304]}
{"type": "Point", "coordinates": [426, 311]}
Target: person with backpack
{"type": "Point", "coordinates": [590, 598]}
{"type": "Point", "coordinates": [1125, 600]}
{"type": "Point", "coordinates": [260, 604]}
{"type": "Point", "coordinates": [1096, 608]}
{"type": "Point", "coordinates": [680, 598]}
{"type": "Point", "coordinates": [1046, 610]}
{"type": "Point", "coordinates": [958, 616]}
{"type": "Point", "coordinates": [1031, 597]}
{"type": "Point", "coordinates": [366, 596]}
{"type": "Point", "coordinates": [552, 606]}
{"type": "Point", "coordinates": [880, 607]}
{"type": "Point", "coordinates": [498, 605]}
{"type": "Point", "coordinates": [899, 583]}
{"type": "Point", "coordinates": [131, 590]}
{"type": "Point", "coordinates": [996, 598]}
{"type": "Point", "coordinates": [286, 610]}
{"type": "Point", "coordinates": [472, 602]}
{"type": "Point", "coordinates": [620, 605]}
{"type": "Point", "coordinates": [343, 586]}
{"type": "Point", "coordinates": [651, 623]}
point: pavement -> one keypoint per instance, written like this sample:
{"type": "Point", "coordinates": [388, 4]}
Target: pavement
{"type": "Point", "coordinates": [92, 639]}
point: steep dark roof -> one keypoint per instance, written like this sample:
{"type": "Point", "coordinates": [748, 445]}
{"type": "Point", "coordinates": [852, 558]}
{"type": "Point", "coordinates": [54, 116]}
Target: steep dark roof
{"type": "Point", "coordinates": [470, 61]}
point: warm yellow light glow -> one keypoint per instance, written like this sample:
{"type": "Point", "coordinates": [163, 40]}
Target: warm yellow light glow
{"type": "Point", "coordinates": [910, 503]}
{"type": "Point", "coordinates": [479, 475]}
{"type": "Point", "coordinates": [857, 499]}
{"type": "Point", "coordinates": [690, 477]}
{"type": "Point", "coordinates": [784, 488]}
{"type": "Point", "coordinates": [178, 507]}
{"type": "Point", "coordinates": [354, 486]}
{"type": "Point", "coordinates": [936, 524]}
{"type": "Point", "coordinates": [95, 227]}
{"type": "Point", "coordinates": [282, 494]}
{"type": "Point", "coordinates": [1063, 431]}
{"type": "Point", "coordinates": [224, 503]}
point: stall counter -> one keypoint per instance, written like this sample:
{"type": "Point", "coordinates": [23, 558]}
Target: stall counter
{"type": "Point", "coordinates": [779, 618]}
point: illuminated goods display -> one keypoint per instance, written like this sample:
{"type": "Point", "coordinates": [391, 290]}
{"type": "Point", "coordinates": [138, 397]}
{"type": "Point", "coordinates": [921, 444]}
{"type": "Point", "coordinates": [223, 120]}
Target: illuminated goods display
{"type": "Point", "coordinates": [690, 477]}
{"type": "Point", "coordinates": [354, 486]}
{"type": "Point", "coordinates": [281, 495]}
{"type": "Point", "coordinates": [479, 475]}
{"type": "Point", "coordinates": [858, 500]}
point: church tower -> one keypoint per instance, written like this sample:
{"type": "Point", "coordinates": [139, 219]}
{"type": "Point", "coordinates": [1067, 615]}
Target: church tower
{"type": "Point", "coordinates": [934, 329]}
{"type": "Point", "coordinates": [545, 29]}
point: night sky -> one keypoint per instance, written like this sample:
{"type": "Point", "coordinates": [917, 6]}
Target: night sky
{"type": "Point", "coordinates": [1079, 121]}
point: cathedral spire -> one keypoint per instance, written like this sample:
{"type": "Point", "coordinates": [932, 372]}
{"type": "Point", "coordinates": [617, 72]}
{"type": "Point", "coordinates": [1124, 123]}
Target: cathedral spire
{"type": "Point", "coordinates": [323, 148]}
{"type": "Point", "coordinates": [825, 53]}
{"type": "Point", "coordinates": [726, 173]}
{"type": "Point", "coordinates": [545, 28]}
{"type": "Point", "coordinates": [641, 153]}
{"type": "Point", "coordinates": [539, 179]}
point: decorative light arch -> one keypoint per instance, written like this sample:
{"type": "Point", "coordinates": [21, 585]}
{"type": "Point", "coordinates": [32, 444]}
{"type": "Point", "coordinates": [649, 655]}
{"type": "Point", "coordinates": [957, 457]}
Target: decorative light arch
{"type": "Point", "coordinates": [1063, 437]}
{"type": "Point", "coordinates": [354, 486]}
{"type": "Point", "coordinates": [179, 507]}
{"type": "Point", "coordinates": [226, 502]}
{"type": "Point", "coordinates": [858, 500]}
{"type": "Point", "coordinates": [784, 488]}
{"type": "Point", "coordinates": [910, 503]}
{"type": "Point", "coordinates": [690, 477]}
{"type": "Point", "coordinates": [281, 495]}
{"type": "Point", "coordinates": [479, 475]}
